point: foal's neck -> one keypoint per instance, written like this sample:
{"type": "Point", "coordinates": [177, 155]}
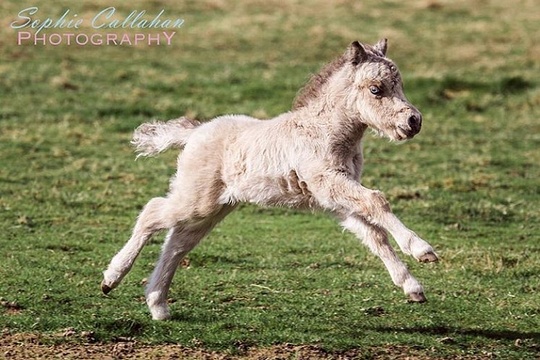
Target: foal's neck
{"type": "Point", "coordinates": [341, 133]}
{"type": "Point", "coordinates": [339, 127]}
{"type": "Point", "coordinates": [345, 134]}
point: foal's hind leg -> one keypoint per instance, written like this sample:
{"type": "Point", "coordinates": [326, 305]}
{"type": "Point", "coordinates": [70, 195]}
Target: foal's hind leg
{"type": "Point", "coordinates": [376, 240]}
{"type": "Point", "coordinates": [152, 219]}
{"type": "Point", "coordinates": [177, 244]}
{"type": "Point", "coordinates": [179, 241]}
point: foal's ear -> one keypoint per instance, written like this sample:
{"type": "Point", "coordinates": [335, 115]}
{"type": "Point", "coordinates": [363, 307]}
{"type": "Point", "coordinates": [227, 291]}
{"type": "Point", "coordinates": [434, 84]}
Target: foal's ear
{"type": "Point", "coordinates": [356, 53]}
{"type": "Point", "coordinates": [381, 46]}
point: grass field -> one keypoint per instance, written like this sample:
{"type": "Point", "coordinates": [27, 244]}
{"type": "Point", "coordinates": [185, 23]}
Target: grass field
{"type": "Point", "coordinates": [273, 281]}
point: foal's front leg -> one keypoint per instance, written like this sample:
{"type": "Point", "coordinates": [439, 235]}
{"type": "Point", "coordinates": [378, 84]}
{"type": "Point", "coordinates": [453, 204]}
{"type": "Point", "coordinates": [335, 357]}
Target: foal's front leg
{"type": "Point", "coordinates": [376, 240]}
{"type": "Point", "coordinates": [338, 193]}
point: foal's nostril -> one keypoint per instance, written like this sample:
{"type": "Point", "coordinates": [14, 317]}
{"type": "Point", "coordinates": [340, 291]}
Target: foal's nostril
{"type": "Point", "coordinates": [415, 122]}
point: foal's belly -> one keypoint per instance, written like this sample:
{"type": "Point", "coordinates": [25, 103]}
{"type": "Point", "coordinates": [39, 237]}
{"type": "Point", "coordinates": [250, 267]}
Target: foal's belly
{"type": "Point", "coordinates": [279, 190]}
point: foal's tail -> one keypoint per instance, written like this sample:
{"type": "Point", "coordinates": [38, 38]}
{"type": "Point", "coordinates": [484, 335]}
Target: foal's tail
{"type": "Point", "coordinates": [150, 139]}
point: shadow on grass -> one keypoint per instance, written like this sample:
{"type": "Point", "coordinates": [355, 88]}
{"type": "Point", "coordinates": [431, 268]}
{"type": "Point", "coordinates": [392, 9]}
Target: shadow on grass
{"type": "Point", "coordinates": [124, 328]}
{"type": "Point", "coordinates": [448, 331]}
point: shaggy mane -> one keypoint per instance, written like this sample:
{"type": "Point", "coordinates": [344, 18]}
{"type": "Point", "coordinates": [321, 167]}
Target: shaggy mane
{"type": "Point", "coordinates": [313, 87]}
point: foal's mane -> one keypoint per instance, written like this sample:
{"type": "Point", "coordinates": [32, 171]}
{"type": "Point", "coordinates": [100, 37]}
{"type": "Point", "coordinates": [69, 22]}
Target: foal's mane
{"type": "Point", "coordinates": [313, 87]}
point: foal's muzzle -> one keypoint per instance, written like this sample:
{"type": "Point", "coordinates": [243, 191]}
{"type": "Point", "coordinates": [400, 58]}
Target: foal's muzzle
{"type": "Point", "coordinates": [412, 126]}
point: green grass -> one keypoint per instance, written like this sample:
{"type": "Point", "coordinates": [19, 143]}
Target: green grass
{"type": "Point", "coordinates": [70, 189]}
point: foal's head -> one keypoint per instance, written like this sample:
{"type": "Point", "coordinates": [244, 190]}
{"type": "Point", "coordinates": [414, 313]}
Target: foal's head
{"type": "Point", "coordinates": [372, 89]}
{"type": "Point", "coordinates": [377, 92]}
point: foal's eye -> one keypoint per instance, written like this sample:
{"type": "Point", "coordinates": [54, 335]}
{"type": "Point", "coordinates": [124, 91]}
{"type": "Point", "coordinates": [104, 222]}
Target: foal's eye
{"type": "Point", "coordinates": [375, 90]}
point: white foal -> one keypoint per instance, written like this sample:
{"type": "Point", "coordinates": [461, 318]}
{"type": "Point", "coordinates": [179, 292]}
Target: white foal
{"type": "Point", "coordinates": [310, 157]}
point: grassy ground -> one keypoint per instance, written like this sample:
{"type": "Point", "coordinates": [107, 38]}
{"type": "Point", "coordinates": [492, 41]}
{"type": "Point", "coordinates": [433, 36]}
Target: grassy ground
{"type": "Point", "coordinates": [70, 189]}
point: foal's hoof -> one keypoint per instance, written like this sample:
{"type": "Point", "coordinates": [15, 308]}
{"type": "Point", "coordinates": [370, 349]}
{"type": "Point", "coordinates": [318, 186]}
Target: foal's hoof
{"type": "Point", "coordinates": [428, 257]}
{"type": "Point", "coordinates": [417, 297]}
{"type": "Point", "coordinates": [105, 288]}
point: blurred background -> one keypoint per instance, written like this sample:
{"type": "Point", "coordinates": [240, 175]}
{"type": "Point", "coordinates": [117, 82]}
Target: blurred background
{"type": "Point", "coordinates": [70, 188]}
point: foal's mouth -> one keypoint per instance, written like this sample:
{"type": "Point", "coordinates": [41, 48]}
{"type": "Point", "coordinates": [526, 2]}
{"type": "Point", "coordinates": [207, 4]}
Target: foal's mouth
{"type": "Point", "coordinates": [405, 133]}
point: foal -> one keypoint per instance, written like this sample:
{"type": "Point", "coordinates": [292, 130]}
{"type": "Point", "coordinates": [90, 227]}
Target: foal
{"type": "Point", "coordinates": [310, 157]}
